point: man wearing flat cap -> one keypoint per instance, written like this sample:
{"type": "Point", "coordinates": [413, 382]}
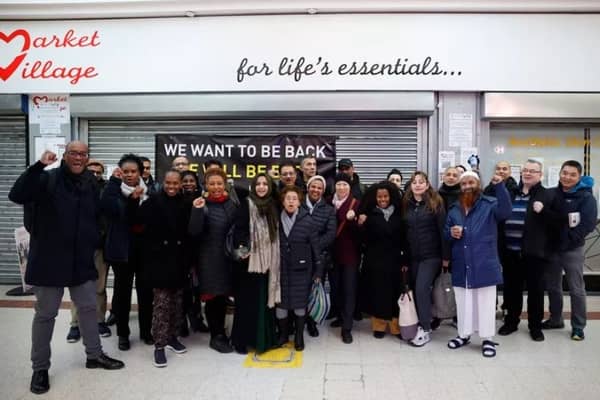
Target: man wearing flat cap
{"type": "Point", "coordinates": [345, 166]}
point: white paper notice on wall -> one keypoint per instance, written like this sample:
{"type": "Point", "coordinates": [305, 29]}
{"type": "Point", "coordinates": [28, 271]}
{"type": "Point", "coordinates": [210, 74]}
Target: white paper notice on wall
{"type": "Point", "coordinates": [515, 172]}
{"type": "Point", "coordinates": [49, 111]}
{"type": "Point", "coordinates": [446, 159]}
{"type": "Point", "coordinates": [22, 241]}
{"type": "Point", "coordinates": [553, 176]}
{"type": "Point", "coordinates": [460, 130]}
{"type": "Point", "coordinates": [55, 144]}
{"type": "Point", "coordinates": [465, 154]}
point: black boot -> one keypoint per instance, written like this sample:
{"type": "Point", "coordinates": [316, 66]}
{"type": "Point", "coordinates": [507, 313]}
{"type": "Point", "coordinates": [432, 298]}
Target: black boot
{"type": "Point", "coordinates": [311, 327]}
{"type": "Point", "coordinates": [299, 337]}
{"type": "Point", "coordinates": [283, 331]}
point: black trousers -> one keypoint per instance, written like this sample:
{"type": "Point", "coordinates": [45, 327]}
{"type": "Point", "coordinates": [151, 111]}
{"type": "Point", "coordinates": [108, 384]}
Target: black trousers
{"type": "Point", "coordinates": [344, 288]}
{"type": "Point", "coordinates": [121, 306]}
{"type": "Point", "coordinates": [215, 315]}
{"type": "Point", "coordinates": [519, 270]}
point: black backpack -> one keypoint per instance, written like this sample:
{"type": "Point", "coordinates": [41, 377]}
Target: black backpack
{"type": "Point", "coordinates": [30, 208]}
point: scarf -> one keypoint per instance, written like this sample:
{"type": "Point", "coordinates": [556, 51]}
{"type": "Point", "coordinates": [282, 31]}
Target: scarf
{"type": "Point", "coordinates": [127, 190]}
{"type": "Point", "coordinates": [264, 253]}
{"type": "Point", "coordinates": [337, 202]}
{"type": "Point", "coordinates": [218, 199]}
{"type": "Point", "coordinates": [310, 204]}
{"type": "Point", "coordinates": [287, 221]}
{"type": "Point", "coordinates": [387, 212]}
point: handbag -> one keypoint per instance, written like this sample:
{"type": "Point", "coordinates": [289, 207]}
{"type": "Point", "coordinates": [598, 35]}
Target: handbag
{"type": "Point", "coordinates": [408, 318]}
{"type": "Point", "coordinates": [444, 303]}
{"type": "Point", "coordinates": [231, 252]}
{"type": "Point", "coordinates": [318, 303]}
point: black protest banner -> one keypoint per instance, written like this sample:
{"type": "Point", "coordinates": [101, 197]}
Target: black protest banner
{"type": "Point", "coordinates": [244, 157]}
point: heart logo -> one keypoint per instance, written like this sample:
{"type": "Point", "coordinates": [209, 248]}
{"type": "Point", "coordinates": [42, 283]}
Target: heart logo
{"type": "Point", "coordinates": [6, 72]}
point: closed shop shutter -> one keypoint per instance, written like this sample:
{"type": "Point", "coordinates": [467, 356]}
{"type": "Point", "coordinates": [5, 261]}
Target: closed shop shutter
{"type": "Point", "coordinates": [12, 164]}
{"type": "Point", "coordinates": [375, 146]}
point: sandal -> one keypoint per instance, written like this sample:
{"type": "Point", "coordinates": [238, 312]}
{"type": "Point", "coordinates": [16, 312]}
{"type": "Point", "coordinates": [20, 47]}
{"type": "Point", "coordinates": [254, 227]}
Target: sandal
{"type": "Point", "coordinates": [488, 348]}
{"type": "Point", "coordinates": [458, 342]}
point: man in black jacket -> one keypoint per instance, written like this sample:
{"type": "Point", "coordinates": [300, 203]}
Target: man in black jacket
{"type": "Point", "coordinates": [64, 237]}
{"type": "Point", "coordinates": [578, 212]}
{"type": "Point", "coordinates": [527, 240]}
{"type": "Point", "coordinates": [346, 166]}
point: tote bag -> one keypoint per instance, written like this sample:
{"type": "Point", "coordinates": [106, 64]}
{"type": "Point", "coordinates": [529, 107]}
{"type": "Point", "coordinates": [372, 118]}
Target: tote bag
{"type": "Point", "coordinates": [444, 303]}
{"type": "Point", "coordinates": [318, 303]}
{"type": "Point", "coordinates": [408, 319]}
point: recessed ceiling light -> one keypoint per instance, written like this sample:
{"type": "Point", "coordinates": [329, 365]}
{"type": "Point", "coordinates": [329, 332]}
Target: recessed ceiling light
{"type": "Point", "coordinates": [312, 11]}
{"type": "Point", "coordinates": [190, 14]}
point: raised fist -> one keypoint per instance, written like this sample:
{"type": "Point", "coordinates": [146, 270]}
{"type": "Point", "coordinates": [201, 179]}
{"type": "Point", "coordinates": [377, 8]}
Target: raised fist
{"type": "Point", "coordinates": [538, 206]}
{"type": "Point", "coordinates": [350, 215]}
{"type": "Point", "coordinates": [199, 202]}
{"type": "Point", "coordinates": [117, 173]}
{"type": "Point", "coordinates": [496, 179]}
{"type": "Point", "coordinates": [48, 157]}
{"type": "Point", "coordinates": [361, 219]}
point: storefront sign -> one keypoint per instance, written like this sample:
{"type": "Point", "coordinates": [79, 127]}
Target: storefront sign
{"type": "Point", "coordinates": [244, 157]}
{"type": "Point", "coordinates": [450, 52]}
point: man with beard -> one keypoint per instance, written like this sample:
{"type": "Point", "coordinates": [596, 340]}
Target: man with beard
{"type": "Point", "coordinates": [471, 227]}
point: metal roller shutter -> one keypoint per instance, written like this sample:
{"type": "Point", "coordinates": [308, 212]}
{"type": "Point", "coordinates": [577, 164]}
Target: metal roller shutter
{"type": "Point", "coordinates": [375, 146]}
{"type": "Point", "coordinates": [12, 164]}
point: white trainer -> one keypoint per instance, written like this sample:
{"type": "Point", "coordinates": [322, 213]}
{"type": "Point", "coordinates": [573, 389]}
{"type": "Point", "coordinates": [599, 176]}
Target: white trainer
{"type": "Point", "coordinates": [421, 339]}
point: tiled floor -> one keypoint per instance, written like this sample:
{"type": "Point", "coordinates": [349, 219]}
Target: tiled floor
{"type": "Point", "coordinates": [367, 369]}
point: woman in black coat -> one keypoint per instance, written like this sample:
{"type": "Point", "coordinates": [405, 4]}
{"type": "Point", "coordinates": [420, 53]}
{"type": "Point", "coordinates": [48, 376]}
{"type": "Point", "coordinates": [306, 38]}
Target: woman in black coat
{"type": "Point", "coordinates": [165, 217]}
{"type": "Point", "coordinates": [192, 306]}
{"type": "Point", "coordinates": [211, 219]}
{"type": "Point", "coordinates": [423, 210]}
{"type": "Point", "coordinates": [256, 239]}
{"type": "Point", "coordinates": [384, 242]}
{"type": "Point", "coordinates": [120, 201]}
{"type": "Point", "coordinates": [300, 263]}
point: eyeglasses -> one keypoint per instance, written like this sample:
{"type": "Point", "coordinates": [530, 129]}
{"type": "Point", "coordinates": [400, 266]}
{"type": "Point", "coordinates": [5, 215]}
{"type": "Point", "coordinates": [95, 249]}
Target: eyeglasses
{"type": "Point", "coordinates": [530, 171]}
{"type": "Point", "coordinates": [81, 154]}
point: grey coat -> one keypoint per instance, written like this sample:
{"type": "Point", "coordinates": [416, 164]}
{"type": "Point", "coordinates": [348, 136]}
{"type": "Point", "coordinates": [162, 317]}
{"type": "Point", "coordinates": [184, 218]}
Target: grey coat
{"type": "Point", "coordinates": [300, 261]}
{"type": "Point", "coordinates": [209, 226]}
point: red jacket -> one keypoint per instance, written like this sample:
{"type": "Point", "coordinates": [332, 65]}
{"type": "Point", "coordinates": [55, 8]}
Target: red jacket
{"type": "Point", "coordinates": [347, 242]}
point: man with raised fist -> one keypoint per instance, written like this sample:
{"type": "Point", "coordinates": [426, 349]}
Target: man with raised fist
{"type": "Point", "coordinates": [64, 235]}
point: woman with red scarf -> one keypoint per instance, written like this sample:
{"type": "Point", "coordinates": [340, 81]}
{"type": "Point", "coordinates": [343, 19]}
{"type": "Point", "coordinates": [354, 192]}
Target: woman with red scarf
{"type": "Point", "coordinates": [212, 217]}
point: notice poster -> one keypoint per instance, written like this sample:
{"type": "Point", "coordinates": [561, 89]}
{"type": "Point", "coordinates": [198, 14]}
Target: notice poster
{"type": "Point", "coordinates": [460, 130]}
{"type": "Point", "coordinates": [465, 154]}
{"type": "Point", "coordinates": [22, 241]}
{"type": "Point", "coordinates": [553, 176]}
{"type": "Point", "coordinates": [243, 157]}
{"type": "Point", "coordinates": [446, 159]}
{"type": "Point", "coordinates": [55, 144]}
{"type": "Point", "coordinates": [49, 111]}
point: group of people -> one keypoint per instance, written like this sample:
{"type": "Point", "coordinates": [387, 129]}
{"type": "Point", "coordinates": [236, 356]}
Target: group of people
{"type": "Point", "coordinates": [189, 243]}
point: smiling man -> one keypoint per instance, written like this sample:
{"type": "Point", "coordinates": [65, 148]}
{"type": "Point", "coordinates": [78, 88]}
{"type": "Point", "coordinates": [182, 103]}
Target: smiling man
{"type": "Point", "coordinates": [64, 237]}
{"type": "Point", "coordinates": [471, 227]}
{"type": "Point", "coordinates": [578, 213]}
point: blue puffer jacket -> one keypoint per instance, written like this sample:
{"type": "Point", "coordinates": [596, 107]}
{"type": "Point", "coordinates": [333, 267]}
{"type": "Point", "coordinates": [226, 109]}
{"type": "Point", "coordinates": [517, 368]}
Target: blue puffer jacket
{"type": "Point", "coordinates": [475, 261]}
{"type": "Point", "coordinates": [579, 199]}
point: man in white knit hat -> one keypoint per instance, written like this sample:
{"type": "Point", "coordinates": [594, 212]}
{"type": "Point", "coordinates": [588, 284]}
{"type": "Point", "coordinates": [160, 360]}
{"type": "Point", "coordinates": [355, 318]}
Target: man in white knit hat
{"type": "Point", "coordinates": [471, 227]}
